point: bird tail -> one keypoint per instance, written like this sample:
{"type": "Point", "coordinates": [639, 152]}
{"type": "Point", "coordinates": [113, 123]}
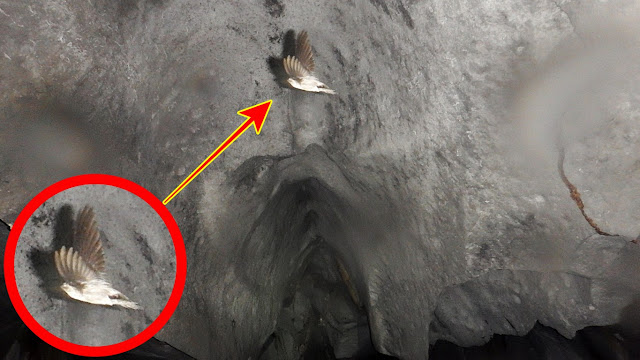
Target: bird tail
{"type": "Point", "coordinates": [127, 304]}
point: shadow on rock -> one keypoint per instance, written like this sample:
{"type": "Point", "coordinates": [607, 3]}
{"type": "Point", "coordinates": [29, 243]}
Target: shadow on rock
{"type": "Point", "coordinates": [275, 64]}
{"type": "Point", "coordinates": [42, 260]}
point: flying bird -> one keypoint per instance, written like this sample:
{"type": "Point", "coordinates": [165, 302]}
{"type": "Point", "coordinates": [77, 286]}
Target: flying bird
{"type": "Point", "coordinates": [82, 266]}
{"type": "Point", "coordinates": [301, 66]}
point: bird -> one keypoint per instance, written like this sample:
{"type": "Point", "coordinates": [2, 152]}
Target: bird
{"type": "Point", "coordinates": [82, 266]}
{"type": "Point", "coordinates": [301, 66]}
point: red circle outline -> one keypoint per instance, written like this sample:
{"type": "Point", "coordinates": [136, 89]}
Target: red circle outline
{"type": "Point", "coordinates": [178, 243]}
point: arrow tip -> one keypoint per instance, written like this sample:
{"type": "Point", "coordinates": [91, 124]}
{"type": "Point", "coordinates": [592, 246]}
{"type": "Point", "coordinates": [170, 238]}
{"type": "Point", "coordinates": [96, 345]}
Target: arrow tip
{"type": "Point", "coordinates": [257, 114]}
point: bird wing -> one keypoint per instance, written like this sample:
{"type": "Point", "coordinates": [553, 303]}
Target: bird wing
{"type": "Point", "coordinates": [303, 52]}
{"type": "Point", "coordinates": [86, 240]}
{"type": "Point", "coordinates": [294, 68]}
{"type": "Point", "coordinates": [71, 266]}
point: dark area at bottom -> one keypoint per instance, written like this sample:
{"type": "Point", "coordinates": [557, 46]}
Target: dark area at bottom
{"type": "Point", "coordinates": [323, 318]}
{"type": "Point", "coordinates": [592, 343]}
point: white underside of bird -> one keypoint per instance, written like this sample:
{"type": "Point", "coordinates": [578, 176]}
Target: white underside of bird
{"type": "Point", "coordinates": [98, 292]}
{"type": "Point", "coordinates": [82, 269]}
{"type": "Point", "coordinates": [301, 66]}
{"type": "Point", "coordinates": [309, 83]}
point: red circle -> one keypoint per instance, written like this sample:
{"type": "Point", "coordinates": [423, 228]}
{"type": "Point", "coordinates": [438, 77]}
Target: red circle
{"type": "Point", "coordinates": [178, 244]}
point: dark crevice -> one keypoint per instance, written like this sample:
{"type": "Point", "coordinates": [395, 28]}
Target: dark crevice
{"type": "Point", "coordinates": [320, 318]}
{"type": "Point", "coordinates": [543, 342]}
{"type": "Point", "coordinates": [267, 344]}
{"type": "Point", "coordinates": [510, 324]}
{"type": "Point", "coordinates": [321, 314]}
{"type": "Point", "coordinates": [7, 224]}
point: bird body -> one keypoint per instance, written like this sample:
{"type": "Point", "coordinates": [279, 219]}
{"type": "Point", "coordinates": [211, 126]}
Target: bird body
{"type": "Point", "coordinates": [98, 292]}
{"type": "Point", "coordinates": [82, 270]}
{"type": "Point", "coordinates": [301, 66]}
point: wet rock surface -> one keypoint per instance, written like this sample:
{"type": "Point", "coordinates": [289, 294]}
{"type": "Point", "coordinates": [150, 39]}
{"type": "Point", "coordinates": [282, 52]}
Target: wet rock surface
{"type": "Point", "coordinates": [432, 176]}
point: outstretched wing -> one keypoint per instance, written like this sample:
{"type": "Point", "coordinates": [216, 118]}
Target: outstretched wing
{"type": "Point", "coordinates": [294, 68]}
{"type": "Point", "coordinates": [86, 240]}
{"type": "Point", "coordinates": [303, 52]}
{"type": "Point", "coordinates": [71, 267]}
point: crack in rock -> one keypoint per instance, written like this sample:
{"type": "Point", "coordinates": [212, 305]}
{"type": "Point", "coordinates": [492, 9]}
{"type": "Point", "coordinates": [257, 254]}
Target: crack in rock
{"type": "Point", "coordinates": [7, 224]}
{"type": "Point", "coordinates": [575, 195]}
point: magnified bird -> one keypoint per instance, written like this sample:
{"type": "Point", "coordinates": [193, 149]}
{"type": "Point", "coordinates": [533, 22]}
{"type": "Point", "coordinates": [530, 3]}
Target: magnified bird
{"type": "Point", "coordinates": [82, 266]}
{"type": "Point", "coordinates": [301, 66]}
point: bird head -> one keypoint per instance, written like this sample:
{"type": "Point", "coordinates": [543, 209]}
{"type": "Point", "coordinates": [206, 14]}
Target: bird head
{"type": "Point", "coordinates": [324, 89]}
